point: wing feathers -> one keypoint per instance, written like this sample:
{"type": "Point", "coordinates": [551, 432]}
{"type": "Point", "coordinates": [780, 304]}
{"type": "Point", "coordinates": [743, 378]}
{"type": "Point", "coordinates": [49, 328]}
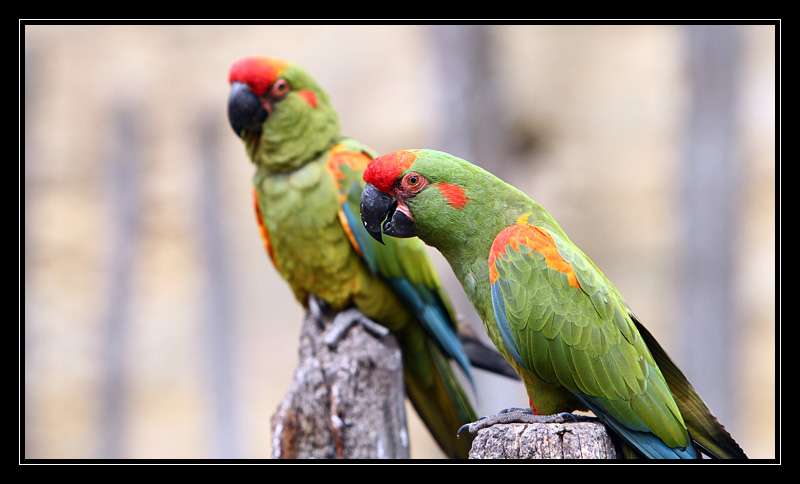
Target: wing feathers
{"type": "Point", "coordinates": [703, 427]}
{"type": "Point", "coordinates": [581, 338]}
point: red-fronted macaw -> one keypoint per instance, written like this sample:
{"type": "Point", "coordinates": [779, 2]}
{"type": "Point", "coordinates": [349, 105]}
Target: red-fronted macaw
{"type": "Point", "coordinates": [550, 310]}
{"type": "Point", "coordinates": [306, 191]}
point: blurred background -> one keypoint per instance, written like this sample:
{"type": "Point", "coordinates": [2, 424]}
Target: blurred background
{"type": "Point", "coordinates": [155, 325]}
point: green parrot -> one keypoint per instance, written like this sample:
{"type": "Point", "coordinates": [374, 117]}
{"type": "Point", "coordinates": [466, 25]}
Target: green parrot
{"type": "Point", "coordinates": [550, 310]}
{"type": "Point", "coordinates": [306, 192]}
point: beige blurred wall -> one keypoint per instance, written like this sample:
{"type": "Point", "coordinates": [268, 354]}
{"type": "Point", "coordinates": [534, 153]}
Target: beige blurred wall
{"type": "Point", "coordinates": [610, 101]}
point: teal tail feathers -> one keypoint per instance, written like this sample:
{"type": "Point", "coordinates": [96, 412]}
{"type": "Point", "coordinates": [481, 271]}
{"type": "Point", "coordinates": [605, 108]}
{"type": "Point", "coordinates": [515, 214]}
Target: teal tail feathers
{"type": "Point", "coordinates": [644, 443]}
{"type": "Point", "coordinates": [435, 392]}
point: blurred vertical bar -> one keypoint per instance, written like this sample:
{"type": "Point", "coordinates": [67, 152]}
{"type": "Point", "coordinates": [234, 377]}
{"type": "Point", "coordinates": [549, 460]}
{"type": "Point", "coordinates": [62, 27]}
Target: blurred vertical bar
{"type": "Point", "coordinates": [710, 177]}
{"type": "Point", "coordinates": [465, 100]}
{"type": "Point", "coordinates": [473, 126]}
{"type": "Point", "coordinates": [123, 197]}
{"type": "Point", "coordinates": [219, 313]}
{"type": "Point", "coordinates": [31, 89]}
{"type": "Point", "coordinates": [472, 122]}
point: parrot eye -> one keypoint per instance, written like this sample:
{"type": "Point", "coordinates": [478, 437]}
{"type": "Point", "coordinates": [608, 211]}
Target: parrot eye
{"type": "Point", "coordinates": [413, 182]}
{"type": "Point", "coordinates": [279, 89]}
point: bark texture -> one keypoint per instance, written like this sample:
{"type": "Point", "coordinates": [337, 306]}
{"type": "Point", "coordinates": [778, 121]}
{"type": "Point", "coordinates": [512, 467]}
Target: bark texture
{"type": "Point", "coordinates": [344, 402]}
{"type": "Point", "coordinates": [579, 440]}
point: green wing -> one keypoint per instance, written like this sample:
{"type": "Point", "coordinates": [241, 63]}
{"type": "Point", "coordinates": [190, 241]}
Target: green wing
{"type": "Point", "coordinates": [562, 320]}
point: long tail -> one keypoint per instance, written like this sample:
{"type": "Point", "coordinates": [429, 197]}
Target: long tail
{"type": "Point", "coordinates": [707, 433]}
{"type": "Point", "coordinates": [435, 392]}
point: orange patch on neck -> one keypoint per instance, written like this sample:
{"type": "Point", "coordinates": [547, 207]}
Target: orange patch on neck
{"type": "Point", "coordinates": [535, 239]}
{"type": "Point", "coordinates": [454, 194]}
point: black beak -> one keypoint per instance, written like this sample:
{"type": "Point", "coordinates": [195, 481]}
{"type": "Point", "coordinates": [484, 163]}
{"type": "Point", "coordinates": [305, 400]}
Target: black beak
{"type": "Point", "coordinates": [378, 208]}
{"type": "Point", "coordinates": [245, 112]}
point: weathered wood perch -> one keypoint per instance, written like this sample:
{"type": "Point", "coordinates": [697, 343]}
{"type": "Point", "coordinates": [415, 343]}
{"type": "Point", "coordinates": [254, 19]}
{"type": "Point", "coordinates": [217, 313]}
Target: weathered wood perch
{"type": "Point", "coordinates": [346, 402]}
{"type": "Point", "coordinates": [579, 440]}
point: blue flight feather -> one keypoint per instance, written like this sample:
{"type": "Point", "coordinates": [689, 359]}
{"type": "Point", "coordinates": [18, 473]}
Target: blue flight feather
{"type": "Point", "coordinates": [436, 322]}
{"type": "Point", "coordinates": [499, 308]}
{"type": "Point", "coordinates": [423, 301]}
{"type": "Point", "coordinates": [361, 236]}
{"type": "Point", "coordinates": [645, 442]}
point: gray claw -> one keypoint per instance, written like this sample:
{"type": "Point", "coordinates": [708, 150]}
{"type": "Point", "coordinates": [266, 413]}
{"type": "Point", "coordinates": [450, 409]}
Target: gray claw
{"type": "Point", "coordinates": [515, 409]}
{"type": "Point", "coordinates": [345, 320]}
{"type": "Point", "coordinates": [468, 427]}
{"type": "Point", "coordinates": [315, 309]}
{"type": "Point", "coordinates": [521, 415]}
{"type": "Point", "coordinates": [566, 417]}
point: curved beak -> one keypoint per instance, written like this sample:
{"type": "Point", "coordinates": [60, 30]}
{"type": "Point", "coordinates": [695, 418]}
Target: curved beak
{"type": "Point", "coordinates": [381, 211]}
{"type": "Point", "coordinates": [245, 112]}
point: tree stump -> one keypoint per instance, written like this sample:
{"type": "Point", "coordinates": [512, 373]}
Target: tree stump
{"type": "Point", "coordinates": [579, 440]}
{"type": "Point", "coordinates": [345, 402]}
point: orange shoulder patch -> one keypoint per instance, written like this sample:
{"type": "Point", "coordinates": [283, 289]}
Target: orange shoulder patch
{"type": "Point", "coordinates": [263, 228]}
{"type": "Point", "coordinates": [349, 232]}
{"type": "Point", "coordinates": [535, 239]}
{"type": "Point", "coordinates": [356, 161]}
{"type": "Point", "coordinates": [341, 156]}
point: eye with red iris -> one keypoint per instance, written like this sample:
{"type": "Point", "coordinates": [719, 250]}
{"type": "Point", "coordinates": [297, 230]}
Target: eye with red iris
{"type": "Point", "coordinates": [413, 182]}
{"type": "Point", "coordinates": [279, 89]}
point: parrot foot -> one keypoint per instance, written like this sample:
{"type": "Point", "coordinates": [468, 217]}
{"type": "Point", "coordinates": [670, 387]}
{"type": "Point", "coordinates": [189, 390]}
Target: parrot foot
{"type": "Point", "coordinates": [345, 320]}
{"type": "Point", "coordinates": [521, 415]}
{"type": "Point", "coordinates": [515, 409]}
{"type": "Point", "coordinates": [319, 310]}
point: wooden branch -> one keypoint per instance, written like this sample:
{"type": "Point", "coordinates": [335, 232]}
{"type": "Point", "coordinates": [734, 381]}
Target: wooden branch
{"type": "Point", "coordinates": [347, 402]}
{"type": "Point", "coordinates": [580, 440]}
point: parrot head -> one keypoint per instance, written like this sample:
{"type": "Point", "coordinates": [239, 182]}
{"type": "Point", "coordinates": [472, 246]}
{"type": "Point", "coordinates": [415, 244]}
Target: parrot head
{"type": "Point", "coordinates": [279, 112]}
{"type": "Point", "coordinates": [422, 193]}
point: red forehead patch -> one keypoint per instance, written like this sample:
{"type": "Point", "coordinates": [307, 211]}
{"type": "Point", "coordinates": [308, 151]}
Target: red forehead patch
{"type": "Point", "coordinates": [257, 72]}
{"type": "Point", "coordinates": [384, 171]}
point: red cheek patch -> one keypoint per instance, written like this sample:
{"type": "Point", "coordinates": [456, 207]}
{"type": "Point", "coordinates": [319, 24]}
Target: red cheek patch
{"type": "Point", "coordinates": [309, 97]}
{"type": "Point", "coordinates": [454, 194]}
